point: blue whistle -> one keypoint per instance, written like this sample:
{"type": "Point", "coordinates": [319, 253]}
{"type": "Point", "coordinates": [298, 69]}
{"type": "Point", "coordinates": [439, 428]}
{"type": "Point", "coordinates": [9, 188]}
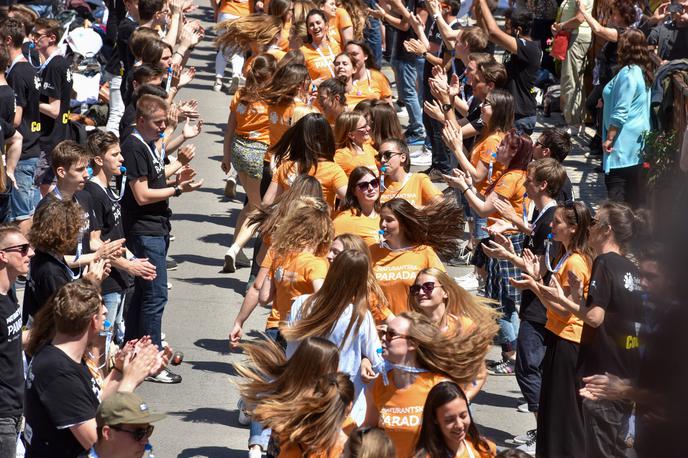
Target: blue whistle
{"type": "Point", "coordinates": [32, 45]}
{"type": "Point", "coordinates": [89, 170]}
{"type": "Point", "coordinates": [383, 169]}
{"type": "Point", "coordinates": [122, 169]}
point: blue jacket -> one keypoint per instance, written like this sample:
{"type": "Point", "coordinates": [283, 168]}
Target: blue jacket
{"type": "Point", "coordinates": [626, 106]}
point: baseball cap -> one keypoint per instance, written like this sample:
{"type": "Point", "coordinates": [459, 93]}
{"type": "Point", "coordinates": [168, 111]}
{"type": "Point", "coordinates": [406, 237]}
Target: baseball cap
{"type": "Point", "coordinates": [125, 409]}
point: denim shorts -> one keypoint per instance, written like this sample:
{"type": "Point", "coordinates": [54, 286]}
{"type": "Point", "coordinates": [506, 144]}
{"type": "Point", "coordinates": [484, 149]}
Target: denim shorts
{"type": "Point", "coordinates": [25, 197]}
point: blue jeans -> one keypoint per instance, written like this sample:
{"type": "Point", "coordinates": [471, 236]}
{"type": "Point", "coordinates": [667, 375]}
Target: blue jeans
{"type": "Point", "coordinates": [509, 324]}
{"type": "Point", "coordinates": [150, 297]}
{"type": "Point", "coordinates": [410, 94]}
{"type": "Point", "coordinates": [114, 303]}
{"type": "Point", "coordinates": [530, 350]}
{"type": "Point", "coordinates": [440, 152]}
{"type": "Point", "coordinates": [373, 36]}
{"type": "Point", "coordinates": [26, 195]}
{"type": "Point", "coordinates": [44, 11]}
{"type": "Point", "coordinates": [525, 125]}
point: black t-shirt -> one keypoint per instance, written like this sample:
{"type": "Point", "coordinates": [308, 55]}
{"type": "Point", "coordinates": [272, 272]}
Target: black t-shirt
{"type": "Point", "coordinates": [522, 69]}
{"type": "Point", "coordinates": [151, 219]}
{"type": "Point", "coordinates": [8, 103]}
{"type": "Point", "coordinates": [566, 192]}
{"type": "Point", "coordinates": [532, 308]}
{"type": "Point", "coordinates": [474, 118]}
{"type": "Point", "coordinates": [6, 131]}
{"type": "Point", "coordinates": [614, 345]}
{"type": "Point", "coordinates": [126, 124]}
{"type": "Point", "coordinates": [56, 83]}
{"type": "Point", "coordinates": [26, 87]}
{"type": "Point", "coordinates": [671, 40]}
{"type": "Point", "coordinates": [398, 51]}
{"type": "Point", "coordinates": [11, 362]}
{"type": "Point", "coordinates": [46, 275]}
{"type": "Point", "coordinates": [59, 393]}
{"type": "Point", "coordinates": [122, 53]}
{"type": "Point", "coordinates": [108, 216]}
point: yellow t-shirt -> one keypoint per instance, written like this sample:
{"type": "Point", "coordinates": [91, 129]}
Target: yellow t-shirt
{"type": "Point", "coordinates": [401, 409]}
{"type": "Point", "coordinates": [293, 276]}
{"type": "Point", "coordinates": [251, 120]}
{"type": "Point", "coordinates": [330, 175]}
{"type": "Point", "coordinates": [374, 86]}
{"type": "Point", "coordinates": [417, 189]}
{"type": "Point", "coordinates": [348, 160]}
{"type": "Point", "coordinates": [339, 22]}
{"type": "Point", "coordinates": [239, 8]}
{"type": "Point", "coordinates": [366, 227]}
{"type": "Point", "coordinates": [396, 271]}
{"type": "Point", "coordinates": [320, 64]}
{"type": "Point", "coordinates": [570, 328]}
{"type": "Point", "coordinates": [482, 152]}
{"type": "Point", "coordinates": [511, 186]}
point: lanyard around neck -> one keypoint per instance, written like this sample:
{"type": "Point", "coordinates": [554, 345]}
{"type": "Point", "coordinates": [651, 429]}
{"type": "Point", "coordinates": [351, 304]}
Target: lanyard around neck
{"type": "Point", "coordinates": [14, 62]}
{"type": "Point", "coordinates": [325, 59]}
{"type": "Point", "coordinates": [158, 160]}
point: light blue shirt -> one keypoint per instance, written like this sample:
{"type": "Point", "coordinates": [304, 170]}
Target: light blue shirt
{"type": "Point", "coordinates": [626, 106]}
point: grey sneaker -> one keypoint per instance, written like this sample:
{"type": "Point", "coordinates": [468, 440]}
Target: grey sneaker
{"type": "Point", "coordinates": [528, 447]}
{"type": "Point", "coordinates": [165, 376]}
{"type": "Point", "coordinates": [503, 368]}
{"type": "Point", "coordinates": [527, 437]}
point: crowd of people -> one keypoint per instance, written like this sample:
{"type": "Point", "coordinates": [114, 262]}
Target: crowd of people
{"type": "Point", "coordinates": [370, 348]}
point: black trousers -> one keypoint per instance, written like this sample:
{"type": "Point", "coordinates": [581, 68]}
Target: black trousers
{"type": "Point", "coordinates": [606, 427]}
{"type": "Point", "coordinates": [559, 422]}
{"type": "Point", "coordinates": [626, 185]}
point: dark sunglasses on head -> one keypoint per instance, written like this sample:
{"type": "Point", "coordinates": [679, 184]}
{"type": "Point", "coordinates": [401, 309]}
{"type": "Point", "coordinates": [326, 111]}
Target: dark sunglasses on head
{"type": "Point", "coordinates": [363, 186]}
{"type": "Point", "coordinates": [139, 433]}
{"type": "Point", "coordinates": [23, 249]}
{"type": "Point", "coordinates": [428, 287]}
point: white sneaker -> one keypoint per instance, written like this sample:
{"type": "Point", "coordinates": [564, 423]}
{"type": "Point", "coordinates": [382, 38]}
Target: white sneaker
{"type": "Point", "coordinates": [468, 282]}
{"type": "Point", "coordinates": [523, 408]}
{"type": "Point", "coordinates": [527, 437]}
{"type": "Point", "coordinates": [423, 157]}
{"type": "Point", "coordinates": [528, 447]}
{"type": "Point", "coordinates": [255, 453]}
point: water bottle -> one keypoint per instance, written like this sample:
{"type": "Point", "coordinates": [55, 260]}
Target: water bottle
{"type": "Point", "coordinates": [148, 451]}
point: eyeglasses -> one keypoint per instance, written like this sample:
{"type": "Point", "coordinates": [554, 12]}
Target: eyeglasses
{"type": "Point", "coordinates": [38, 36]}
{"type": "Point", "coordinates": [139, 433]}
{"type": "Point", "coordinates": [23, 249]}
{"type": "Point", "coordinates": [363, 186]}
{"type": "Point", "coordinates": [428, 287]}
{"type": "Point", "coordinates": [387, 155]}
{"type": "Point", "coordinates": [390, 334]}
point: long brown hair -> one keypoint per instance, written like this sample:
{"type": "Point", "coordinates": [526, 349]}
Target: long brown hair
{"type": "Point", "coordinates": [56, 226]}
{"type": "Point", "coordinates": [438, 225]}
{"type": "Point", "coordinates": [632, 49]}
{"type": "Point", "coordinates": [346, 284]}
{"type": "Point", "coordinates": [577, 214]}
{"type": "Point", "coordinates": [308, 225]}
{"type": "Point", "coordinates": [285, 85]}
{"type": "Point", "coordinates": [370, 443]}
{"type": "Point", "coordinates": [262, 68]}
{"type": "Point", "coordinates": [502, 118]}
{"type": "Point", "coordinates": [305, 143]}
{"type": "Point", "coordinates": [238, 34]}
{"type": "Point", "coordinates": [350, 201]}
{"type": "Point", "coordinates": [345, 124]}
{"type": "Point", "coordinates": [385, 123]}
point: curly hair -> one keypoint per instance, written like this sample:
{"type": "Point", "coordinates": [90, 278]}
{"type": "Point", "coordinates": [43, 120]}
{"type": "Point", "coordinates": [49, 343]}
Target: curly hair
{"type": "Point", "coordinates": [308, 225]}
{"type": "Point", "coordinates": [633, 50]}
{"type": "Point", "coordinates": [56, 226]}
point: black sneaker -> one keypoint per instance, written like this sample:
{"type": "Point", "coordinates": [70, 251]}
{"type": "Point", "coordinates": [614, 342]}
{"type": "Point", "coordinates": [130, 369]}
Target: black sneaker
{"type": "Point", "coordinates": [230, 265]}
{"type": "Point", "coordinates": [165, 376]}
{"type": "Point", "coordinates": [242, 260]}
{"type": "Point", "coordinates": [171, 264]}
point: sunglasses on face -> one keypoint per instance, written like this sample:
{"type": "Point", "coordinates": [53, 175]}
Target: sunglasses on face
{"type": "Point", "coordinates": [364, 185]}
{"type": "Point", "coordinates": [139, 433]}
{"type": "Point", "coordinates": [23, 249]}
{"type": "Point", "coordinates": [428, 287]}
{"type": "Point", "coordinates": [390, 334]}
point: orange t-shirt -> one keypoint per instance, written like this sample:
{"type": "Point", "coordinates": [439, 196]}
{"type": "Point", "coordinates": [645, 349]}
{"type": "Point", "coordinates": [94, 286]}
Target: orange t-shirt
{"type": "Point", "coordinates": [374, 86]}
{"type": "Point", "coordinates": [471, 450]}
{"type": "Point", "coordinates": [396, 271]}
{"type": "Point", "coordinates": [339, 22]}
{"type": "Point", "coordinates": [283, 42]}
{"type": "Point", "coordinates": [251, 120]}
{"type": "Point", "coordinates": [348, 160]}
{"type": "Point", "coordinates": [293, 276]}
{"type": "Point", "coordinates": [417, 189]}
{"type": "Point", "coordinates": [279, 117]}
{"type": "Point", "coordinates": [571, 327]}
{"type": "Point", "coordinates": [401, 409]}
{"type": "Point", "coordinates": [277, 52]}
{"type": "Point", "coordinates": [511, 186]}
{"type": "Point", "coordinates": [294, 451]}
{"type": "Point", "coordinates": [320, 64]}
{"type": "Point", "coordinates": [483, 152]}
{"type": "Point", "coordinates": [366, 227]}
{"type": "Point", "coordinates": [330, 175]}
{"type": "Point", "coordinates": [239, 8]}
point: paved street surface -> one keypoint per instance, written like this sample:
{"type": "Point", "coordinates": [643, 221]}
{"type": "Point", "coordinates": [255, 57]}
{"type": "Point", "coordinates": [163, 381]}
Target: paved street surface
{"type": "Point", "coordinates": [202, 415]}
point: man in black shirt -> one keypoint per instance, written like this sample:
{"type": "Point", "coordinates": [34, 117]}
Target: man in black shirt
{"type": "Point", "coordinates": [15, 253]}
{"type": "Point", "coordinates": [556, 143]}
{"type": "Point", "coordinates": [55, 92]}
{"type": "Point", "coordinates": [146, 215]}
{"type": "Point", "coordinates": [522, 61]}
{"type": "Point", "coordinates": [22, 77]}
{"type": "Point", "coordinates": [7, 99]}
{"type": "Point", "coordinates": [11, 139]}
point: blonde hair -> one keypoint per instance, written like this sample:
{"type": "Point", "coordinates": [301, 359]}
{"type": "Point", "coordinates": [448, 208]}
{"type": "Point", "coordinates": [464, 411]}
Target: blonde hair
{"type": "Point", "coordinates": [345, 124]}
{"type": "Point", "coordinates": [458, 354]}
{"type": "Point", "coordinates": [308, 225]}
{"type": "Point", "coordinates": [459, 302]}
{"type": "Point", "coordinates": [238, 34]}
{"type": "Point", "coordinates": [370, 443]}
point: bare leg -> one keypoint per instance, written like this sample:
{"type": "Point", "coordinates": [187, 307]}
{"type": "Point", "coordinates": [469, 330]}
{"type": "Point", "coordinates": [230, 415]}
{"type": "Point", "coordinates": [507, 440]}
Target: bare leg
{"type": "Point", "coordinates": [242, 234]}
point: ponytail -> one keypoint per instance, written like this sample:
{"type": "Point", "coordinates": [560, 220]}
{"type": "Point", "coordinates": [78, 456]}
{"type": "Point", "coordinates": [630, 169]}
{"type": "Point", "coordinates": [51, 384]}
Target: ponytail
{"type": "Point", "coordinates": [627, 226]}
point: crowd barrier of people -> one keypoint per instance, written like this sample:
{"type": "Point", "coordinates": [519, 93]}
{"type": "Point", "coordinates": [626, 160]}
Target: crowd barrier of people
{"type": "Point", "coordinates": [370, 348]}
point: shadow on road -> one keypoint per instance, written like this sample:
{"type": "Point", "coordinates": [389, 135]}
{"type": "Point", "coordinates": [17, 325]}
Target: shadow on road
{"type": "Point", "coordinates": [210, 451]}
{"type": "Point", "coordinates": [217, 367]}
{"type": "Point", "coordinates": [235, 284]}
{"type": "Point", "coordinates": [210, 415]}
{"type": "Point", "coordinates": [497, 400]}
{"type": "Point", "coordinates": [196, 259]}
{"type": "Point", "coordinates": [217, 345]}
{"type": "Point", "coordinates": [497, 436]}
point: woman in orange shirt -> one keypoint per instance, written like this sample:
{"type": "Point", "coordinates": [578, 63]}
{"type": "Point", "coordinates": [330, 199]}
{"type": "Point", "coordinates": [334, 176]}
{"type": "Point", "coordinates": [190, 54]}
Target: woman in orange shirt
{"type": "Point", "coordinates": [410, 240]}
{"type": "Point", "coordinates": [368, 82]}
{"type": "Point", "coordinates": [437, 296]}
{"type": "Point", "coordinates": [246, 141]}
{"type": "Point", "coordinates": [448, 429]}
{"type": "Point", "coordinates": [514, 153]}
{"type": "Point", "coordinates": [557, 434]}
{"type": "Point", "coordinates": [340, 27]}
{"type": "Point", "coordinates": [284, 10]}
{"type": "Point", "coordinates": [419, 356]}
{"type": "Point", "coordinates": [399, 182]}
{"type": "Point", "coordinates": [360, 210]}
{"type": "Point", "coordinates": [320, 51]}
{"type": "Point", "coordinates": [384, 123]}
{"type": "Point", "coordinates": [308, 148]}
{"type": "Point", "coordinates": [352, 137]}
{"type": "Point", "coordinates": [225, 10]}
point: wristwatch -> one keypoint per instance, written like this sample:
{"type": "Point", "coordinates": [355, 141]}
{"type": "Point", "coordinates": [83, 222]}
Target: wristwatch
{"type": "Point", "coordinates": [425, 54]}
{"type": "Point", "coordinates": [446, 107]}
{"type": "Point", "coordinates": [177, 191]}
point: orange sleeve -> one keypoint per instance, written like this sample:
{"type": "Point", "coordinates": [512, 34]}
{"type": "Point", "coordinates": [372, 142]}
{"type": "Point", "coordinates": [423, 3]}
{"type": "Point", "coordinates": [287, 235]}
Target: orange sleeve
{"type": "Point", "coordinates": [506, 186]}
{"type": "Point", "coordinates": [428, 190]}
{"type": "Point", "coordinates": [488, 148]}
{"type": "Point", "coordinates": [340, 180]}
{"type": "Point", "coordinates": [267, 260]}
{"type": "Point", "coordinates": [343, 19]}
{"type": "Point", "coordinates": [382, 83]}
{"type": "Point", "coordinates": [278, 176]}
{"type": "Point", "coordinates": [316, 269]}
{"type": "Point", "coordinates": [578, 266]}
{"type": "Point", "coordinates": [235, 101]}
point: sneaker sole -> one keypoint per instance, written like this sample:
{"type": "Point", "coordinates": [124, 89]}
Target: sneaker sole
{"type": "Point", "coordinates": [229, 267]}
{"type": "Point", "coordinates": [172, 268]}
{"type": "Point", "coordinates": [154, 380]}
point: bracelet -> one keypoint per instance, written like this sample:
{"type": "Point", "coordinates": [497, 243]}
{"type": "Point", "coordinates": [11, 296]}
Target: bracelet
{"type": "Point", "coordinates": [465, 190]}
{"type": "Point", "coordinates": [180, 54]}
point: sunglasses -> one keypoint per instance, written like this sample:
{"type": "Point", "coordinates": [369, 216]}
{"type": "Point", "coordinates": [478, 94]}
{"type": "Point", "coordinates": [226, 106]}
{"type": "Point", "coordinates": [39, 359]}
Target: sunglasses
{"type": "Point", "coordinates": [390, 334]}
{"type": "Point", "coordinates": [387, 155]}
{"type": "Point", "coordinates": [23, 249]}
{"type": "Point", "coordinates": [428, 287]}
{"type": "Point", "coordinates": [139, 433]}
{"type": "Point", "coordinates": [364, 185]}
